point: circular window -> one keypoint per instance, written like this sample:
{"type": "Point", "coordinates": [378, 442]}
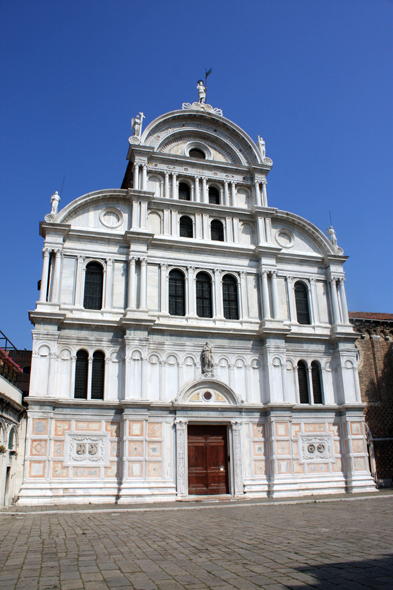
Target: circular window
{"type": "Point", "coordinates": [285, 238]}
{"type": "Point", "coordinates": [111, 217]}
{"type": "Point", "coordinates": [207, 396]}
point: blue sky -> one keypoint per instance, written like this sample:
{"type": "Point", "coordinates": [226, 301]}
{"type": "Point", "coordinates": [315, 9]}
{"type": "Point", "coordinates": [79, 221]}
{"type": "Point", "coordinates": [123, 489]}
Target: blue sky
{"type": "Point", "coordinates": [313, 77]}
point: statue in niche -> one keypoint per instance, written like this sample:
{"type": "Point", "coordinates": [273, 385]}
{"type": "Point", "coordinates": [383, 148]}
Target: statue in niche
{"type": "Point", "coordinates": [201, 92]}
{"type": "Point", "coordinates": [261, 146]}
{"type": "Point", "coordinates": [207, 358]}
{"type": "Point", "coordinates": [332, 236]}
{"type": "Point", "coordinates": [54, 201]}
{"type": "Point", "coordinates": [136, 124]}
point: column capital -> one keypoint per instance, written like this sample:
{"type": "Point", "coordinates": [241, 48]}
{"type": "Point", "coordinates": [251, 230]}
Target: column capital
{"type": "Point", "coordinates": [45, 251]}
{"type": "Point", "coordinates": [163, 265]}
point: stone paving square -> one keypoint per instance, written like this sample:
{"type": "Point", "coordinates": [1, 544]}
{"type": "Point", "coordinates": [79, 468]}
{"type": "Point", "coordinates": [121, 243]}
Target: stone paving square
{"type": "Point", "coordinates": [330, 544]}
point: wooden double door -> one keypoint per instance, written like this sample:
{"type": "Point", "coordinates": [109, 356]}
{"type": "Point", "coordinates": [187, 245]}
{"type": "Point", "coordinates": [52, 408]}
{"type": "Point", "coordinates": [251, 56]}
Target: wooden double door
{"type": "Point", "coordinates": [207, 459]}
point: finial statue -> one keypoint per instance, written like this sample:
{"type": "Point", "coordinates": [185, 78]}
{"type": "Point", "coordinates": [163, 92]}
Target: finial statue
{"type": "Point", "coordinates": [207, 358]}
{"type": "Point", "coordinates": [136, 124]}
{"type": "Point", "coordinates": [201, 92]}
{"type": "Point", "coordinates": [262, 146]}
{"type": "Point", "coordinates": [332, 236]}
{"type": "Point", "coordinates": [54, 201]}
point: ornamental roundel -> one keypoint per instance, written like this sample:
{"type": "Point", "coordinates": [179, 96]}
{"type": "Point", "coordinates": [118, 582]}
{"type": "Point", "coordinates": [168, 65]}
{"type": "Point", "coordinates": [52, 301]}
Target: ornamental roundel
{"type": "Point", "coordinates": [285, 238]}
{"type": "Point", "coordinates": [111, 217]}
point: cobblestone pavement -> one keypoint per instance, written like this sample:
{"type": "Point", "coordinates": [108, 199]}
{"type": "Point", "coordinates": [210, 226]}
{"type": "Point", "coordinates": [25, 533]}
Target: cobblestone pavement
{"type": "Point", "coordinates": [332, 544]}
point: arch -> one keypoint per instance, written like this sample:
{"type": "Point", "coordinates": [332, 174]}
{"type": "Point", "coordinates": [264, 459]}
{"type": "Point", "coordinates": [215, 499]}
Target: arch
{"type": "Point", "coordinates": [186, 227]}
{"type": "Point", "coordinates": [81, 370]}
{"type": "Point", "coordinates": [94, 278]}
{"type": "Point", "coordinates": [197, 154]}
{"type": "Point", "coordinates": [98, 375]}
{"type": "Point", "coordinates": [217, 230]}
{"type": "Point", "coordinates": [302, 304]}
{"type": "Point", "coordinates": [154, 221]}
{"type": "Point", "coordinates": [177, 293]}
{"type": "Point", "coordinates": [316, 379]}
{"type": "Point", "coordinates": [12, 439]}
{"type": "Point", "coordinates": [247, 234]}
{"type": "Point", "coordinates": [44, 350]}
{"type": "Point", "coordinates": [303, 382]}
{"type": "Point", "coordinates": [214, 195]}
{"type": "Point", "coordinates": [229, 296]}
{"type": "Point", "coordinates": [184, 191]}
{"type": "Point", "coordinates": [222, 394]}
{"type": "Point", "coordinates": [204, 295]}
{"type": "Point", "coordinates": [154, 185]}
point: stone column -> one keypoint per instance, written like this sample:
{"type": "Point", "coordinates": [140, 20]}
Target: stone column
{"type": "Point", "coordinates": [106, 378]}
{"type": "Point", "coordinates": [236, 230]}
{"type": "Point", "coordinates": [233, 194]}
{"type": "Point", "coordinates": [268, 224]}
{"type": "Point", "coordinates": [143, 209]}
{"type": "Point", "coordinates": [243, 299]}
{"type": "Point", "coordinates": [310, 389]}
{"type": "Point", "coordinates": [197, 195]}
{"type": "Point", "coordinates": [79, 282]}
{"type": "Point", "coordinates": [161, 188]}
{"type": "Point", "coordinates": [144, 177]}
{"type": "Point", "coordinates": [314, 302]}
{"type": "Point", "coordinates": [109, 283]}
{"type": "Point", "coordinates": [218, 293]}
{"type": "Point", "coordinates": [164, 288]}
{"type": "Point", "coordinates": [191, 290]}
{"type": "Point", "coordinates": [89, 375]}
{"type": "Point", "coordinates": [136, 177]}
{"type": "Point", "coordinates": [228, 228]}
{"type": "Point", "coordinates": [237, 458]}
{"type": "Point", "coordinates": [175, 194]}
{"type": "Point", "coordinates": [181, 457]}
{"type": "Point", "coordinates": [257, 193]}
{"type": "Point", "coordinates": [226, 194]}
{"type": "Point", "coordinates": [72, 377]}
{"type": "Point", "coordinates": [205, 197]}
{"type": "Point", "coordinates": [343, 298]}
{"type": "Point", "coordinates": [291, 301]}
{"type": "Point", "coordinates": [275, 295]}
{"type": "Point", "coordinates": [56, 277]}
{"type": "Point", "coordinates": [142, 298]}
{"type": "Point", "coordinates": [131, 282]}
{"type": "Point", "coordinates": [135, 214]}
{"type": "Point", "coordinates": [213, 294]}
{"type": "Point", "coordinates": [261, 230]}
{"type": "Point", "coordinates": [192, 196]}
{"type": "Point", "coordinates": [336, 311]}
{"type": "Point", "coordinates": [166, 189]}
{"type": "Point", "coordinates": [265, 296]}
{"type": "Point", "coordinates": [45, 275]}
{"type": "Point", "coordinates": [264, 193]}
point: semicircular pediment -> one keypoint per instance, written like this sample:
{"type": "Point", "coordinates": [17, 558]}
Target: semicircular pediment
{"type": "Point", "coordinates": [208, 392]}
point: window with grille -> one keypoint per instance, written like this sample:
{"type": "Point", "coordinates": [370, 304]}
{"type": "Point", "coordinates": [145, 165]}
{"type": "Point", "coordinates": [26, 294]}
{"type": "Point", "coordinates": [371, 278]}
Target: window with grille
{"type": "Point", "coordinates": [204, 295]}
{"type": "Point", "coordinates": [217, 230]}
{"type": "Point", "coordinates": [214, 195]}
{"type": "Point", "coordinates": [82, 359]}
{"type": "Point", "coordinates": [98, 374]}
{"type": "Point", "coordinates": [93, 286]}
{"type": "Point", "coordinates": [185, 227]}
{"type": "Point", "coordinates": [316, 382]}
{"type": "Point", "coordinates": [184, 191]}
{"type": "Point", "coordinates": [301, 298]}
{"type": "Point", "coordinates": [229, 294]}
{"type": "Point", "coordinates": [198, 154]}
{"type": "Point", "coordinates": [303, 382]}
{"type": "Point", "coordinates": [176, 293]}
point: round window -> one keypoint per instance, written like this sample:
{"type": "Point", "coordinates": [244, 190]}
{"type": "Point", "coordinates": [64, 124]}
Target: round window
{"type": "Point", "coordinates": [207, 396]}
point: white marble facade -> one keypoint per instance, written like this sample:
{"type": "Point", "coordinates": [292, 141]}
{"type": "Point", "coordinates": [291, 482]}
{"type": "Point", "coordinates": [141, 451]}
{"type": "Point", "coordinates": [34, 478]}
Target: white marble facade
{"type": "Point", "coordinates": [132, 445]}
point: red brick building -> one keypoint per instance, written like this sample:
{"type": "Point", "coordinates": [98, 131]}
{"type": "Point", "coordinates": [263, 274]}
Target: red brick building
{"type": "Point", "coordinates": [375, 365]}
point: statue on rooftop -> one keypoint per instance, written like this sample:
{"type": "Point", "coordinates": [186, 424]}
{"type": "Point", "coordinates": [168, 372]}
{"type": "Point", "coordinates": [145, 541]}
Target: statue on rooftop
{"type": "Point", "coordinates": [136, 124]}
{"type": "Point", "coordinates": [201, 92]}
{"type": "Point", "coordinates": [261, 146]}
{"type": "Point", "coordinates": [332, 236]}
{"type": "Point", "coordinates": [54, 201]}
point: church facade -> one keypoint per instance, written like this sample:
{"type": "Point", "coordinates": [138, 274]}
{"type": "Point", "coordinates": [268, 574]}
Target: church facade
{"type": "Point", "coordinates": [189, 339]}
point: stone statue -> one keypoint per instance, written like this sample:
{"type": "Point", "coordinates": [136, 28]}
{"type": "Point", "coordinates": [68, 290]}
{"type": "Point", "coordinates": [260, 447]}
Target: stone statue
{"type": "Point", "coordinates": [207, 358]}
{"type": "Point", "coordinates": [201, 92]}
{"type": "Point", "coordinates": [262, 146]}
{"type": "Point", "coordinates": [332, 236]}
{"type": "Point", "coordinates": [54, 201]}
{"type": "Point", "coordinates": [136, 124]}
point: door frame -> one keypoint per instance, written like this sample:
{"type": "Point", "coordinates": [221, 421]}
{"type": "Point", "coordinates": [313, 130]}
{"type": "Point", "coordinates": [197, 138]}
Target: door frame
{"type": "Point", "coordinates": [234, 446]}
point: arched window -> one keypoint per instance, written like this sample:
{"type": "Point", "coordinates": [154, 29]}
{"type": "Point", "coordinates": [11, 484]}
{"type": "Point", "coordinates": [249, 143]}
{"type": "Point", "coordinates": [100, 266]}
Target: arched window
{"type": "Point", "coordinates": [217, 230]}
{"type": "Point", "coordinates": [11, 439]}
{"type": "Point", "coordinates": [301, 298]}
{"type": "Point", "coordinates": [185, 227]}
{"type": "Point", "coordinates": [82, 359]}
{"type": "Point", "coordinates": [229, 295]}
{"type": "Point", "coordinates": [204, 295]}
{"type": "Point", "coordinates": [316, 382]}
{"type": "Point", "coordinates": [93, 286]}
{"type": "Point", "coordinates": [176, 293]}
{"type": "Point", "coordinates": [214, 195]}
{"type": "Point", "coordinates": [198, 154]}
{"type": "Point", "coordinates": [98, 373]}
{"type": "Point", "coordinates": [184, 192]}
{"type": "Point", "coordinates": [303, 382]}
